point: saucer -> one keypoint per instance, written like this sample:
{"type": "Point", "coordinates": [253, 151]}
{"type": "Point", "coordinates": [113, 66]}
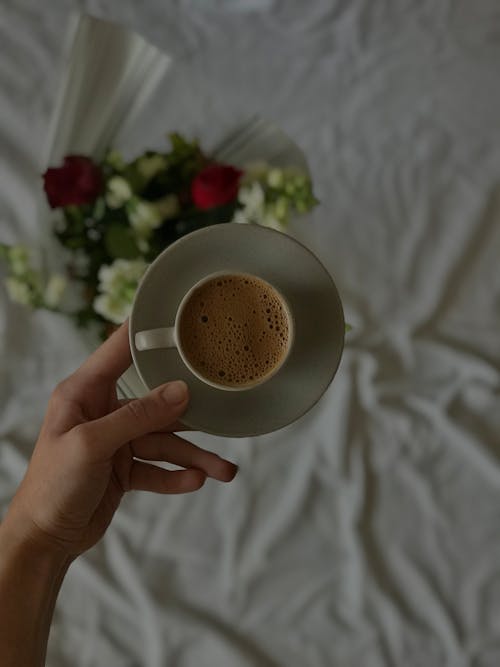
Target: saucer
{"type": "Point", "coordinates": [296, 273]}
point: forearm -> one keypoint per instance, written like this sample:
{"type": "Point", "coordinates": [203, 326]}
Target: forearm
{"type": "Point", "coordinates": [30, 579]}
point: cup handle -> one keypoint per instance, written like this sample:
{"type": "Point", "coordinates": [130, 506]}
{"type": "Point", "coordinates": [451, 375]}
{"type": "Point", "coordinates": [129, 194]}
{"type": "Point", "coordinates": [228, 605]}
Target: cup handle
{"type": "Point", "coordinates": [155, 338]}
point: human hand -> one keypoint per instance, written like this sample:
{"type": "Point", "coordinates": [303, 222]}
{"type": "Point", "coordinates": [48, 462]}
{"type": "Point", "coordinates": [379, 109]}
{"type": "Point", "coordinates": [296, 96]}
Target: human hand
{"type": "Point", "coordinates": [85, 458]}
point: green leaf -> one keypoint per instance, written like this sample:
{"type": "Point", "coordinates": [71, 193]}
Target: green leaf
{"type": "Point", "coordinates": [4, 251]}
{"type": "Point", "coordinates": [85, 316]}
{"type": "Point", "coordinates": [120, 242]}
{"type": "Point", "coordinates": [196, 218]}
{"type": "Point", "coordinates": [99, 208]}
{"type": "Point", "coordinates": [73, 243]}
{"type": "Point", "coordinates": [348, 327]}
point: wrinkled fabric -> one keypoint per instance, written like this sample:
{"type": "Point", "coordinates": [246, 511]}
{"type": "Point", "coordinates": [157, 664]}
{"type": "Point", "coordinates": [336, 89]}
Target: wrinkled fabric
{"type": "Point", "coordinates": [367, 533]}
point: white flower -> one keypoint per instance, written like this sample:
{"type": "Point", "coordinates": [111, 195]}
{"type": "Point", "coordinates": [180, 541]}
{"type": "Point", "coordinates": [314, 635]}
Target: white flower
{"type": "Point", "coordinates": [253, 200]}
{"type": "Point", "coordinates": [256, 211]}
{"type": "Point", "coordinates": [252, 197]}
{"type": "Point", "coordinates": [19, 291]}
{"type": "Point", "coordinates": [240, 217]}
{"type": "Point", "coordinates": [113, 310]}
{"type": "Point", "coordinates": [112, 276]}
{"type": "Point", "coordinates": [117, 286]}
{"type": "Point", "coordinates": [149, 165]}
{"type": "Point", "coordinates": [275, 178]}
{"type": "Point", "coordinates": [168, 206]}
{"type": "Point", "coordinates": [144, 217]}
{"type": "Point", "coordinates": [118, 192]}
{"type": "Point", "coordinates": [54, 290]}
{"type": "Point", "coordinates": [106, 276]}
{"type": "Point", "coordinates": [19, 259]}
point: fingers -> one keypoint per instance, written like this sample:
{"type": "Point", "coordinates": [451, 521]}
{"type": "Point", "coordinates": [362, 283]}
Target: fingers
{"type": "Point", "coordinates": [155, 411]}
{"type": "Point", "coordinates": [175, 426]}
{"type": "Point", "coordinates": [146, 477]}
{"type": "Point", "coordinates": [171, 448]}
{"type": "Point", "coordinates": [111, 359]}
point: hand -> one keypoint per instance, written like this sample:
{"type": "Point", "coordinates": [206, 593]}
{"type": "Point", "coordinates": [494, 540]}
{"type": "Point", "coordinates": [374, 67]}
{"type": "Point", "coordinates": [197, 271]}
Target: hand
{"type": "Point", "coordinates": [85, 457]}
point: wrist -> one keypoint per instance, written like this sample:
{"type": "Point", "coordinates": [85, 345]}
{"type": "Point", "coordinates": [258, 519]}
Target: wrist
{"type": "Point", "coordinates": [27, 546]}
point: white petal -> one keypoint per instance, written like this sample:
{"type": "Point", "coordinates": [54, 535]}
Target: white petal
{"type": "Point", "coordinates": [239, 217]}
{"type": "Point", "coordinates": [54, 290]}
{"type": "Point", "coordinates": [19, 291]}
{"type": "Point", "coordinates": [118, 192]}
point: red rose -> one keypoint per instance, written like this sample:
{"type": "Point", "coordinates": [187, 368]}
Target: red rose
{"type": "Point", "coordinates": [78, 181]}
{"type": "Point", "coordinates": [215, 185]}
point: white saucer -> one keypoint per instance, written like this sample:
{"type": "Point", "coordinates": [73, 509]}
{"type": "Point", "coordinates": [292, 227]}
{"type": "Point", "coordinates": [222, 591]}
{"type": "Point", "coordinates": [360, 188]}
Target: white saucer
{"type": "Point", "coordinates": [307, 286]}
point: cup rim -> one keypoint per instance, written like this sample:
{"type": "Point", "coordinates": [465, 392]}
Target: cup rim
{"type": "Point", "coordinates": [182, 305]}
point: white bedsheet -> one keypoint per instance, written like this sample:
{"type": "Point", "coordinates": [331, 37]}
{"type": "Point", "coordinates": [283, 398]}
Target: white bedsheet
{"type": "Point", "coordinates": [367, 534]}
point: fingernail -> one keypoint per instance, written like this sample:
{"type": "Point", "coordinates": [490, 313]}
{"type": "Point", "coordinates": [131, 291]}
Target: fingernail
{"type": "Point", "coordinates": [235, 470]}
{"type": "Point", "coordinates": [231, 471]}
{"type": "Point", "coordinates": [174, 392]}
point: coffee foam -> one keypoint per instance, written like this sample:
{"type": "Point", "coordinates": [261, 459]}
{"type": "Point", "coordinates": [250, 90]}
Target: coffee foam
{"type": "Point", "coordinates": [234, 330]}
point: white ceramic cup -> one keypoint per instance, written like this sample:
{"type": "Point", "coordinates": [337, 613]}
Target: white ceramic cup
{"type": "Point", "coordinates": [168, 337]}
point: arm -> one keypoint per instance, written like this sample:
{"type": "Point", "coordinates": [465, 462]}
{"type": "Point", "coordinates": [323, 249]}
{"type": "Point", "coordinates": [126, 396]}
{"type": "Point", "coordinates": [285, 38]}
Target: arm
{"type": "Point", "coordinates": [84, 461]}
{"type": "Point", "coordinates": [30, 579]}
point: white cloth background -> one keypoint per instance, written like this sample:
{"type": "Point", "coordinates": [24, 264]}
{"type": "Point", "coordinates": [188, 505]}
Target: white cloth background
{"type": "Point", "coordinates": [367, 533]}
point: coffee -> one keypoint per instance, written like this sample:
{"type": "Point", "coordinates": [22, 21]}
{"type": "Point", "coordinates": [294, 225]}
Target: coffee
{"type": "Point", "coordinates": [234, 330]}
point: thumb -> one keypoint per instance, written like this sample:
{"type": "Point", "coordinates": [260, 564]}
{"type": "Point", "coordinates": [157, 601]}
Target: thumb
{"type": "Point", "coordinates": [153, 412]}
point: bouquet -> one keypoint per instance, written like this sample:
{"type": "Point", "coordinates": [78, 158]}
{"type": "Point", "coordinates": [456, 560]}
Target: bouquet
{"type": "Point", "coordinates": [114, 217]}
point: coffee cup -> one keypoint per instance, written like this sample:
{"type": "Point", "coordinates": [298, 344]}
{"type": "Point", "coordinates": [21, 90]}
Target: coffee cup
{"type": "Point", "coordinates": [232, 330]}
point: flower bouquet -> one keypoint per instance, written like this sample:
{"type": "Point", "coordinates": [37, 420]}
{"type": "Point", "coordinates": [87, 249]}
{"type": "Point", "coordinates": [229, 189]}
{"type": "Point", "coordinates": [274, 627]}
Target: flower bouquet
{"type": "Point", "coordinates": [113, 217]}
